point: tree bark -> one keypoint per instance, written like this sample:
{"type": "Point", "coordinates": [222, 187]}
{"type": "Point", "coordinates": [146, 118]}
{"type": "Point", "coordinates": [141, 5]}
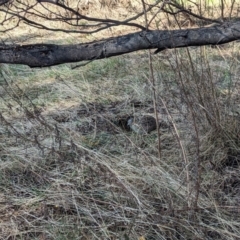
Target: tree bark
{"type": "Point", "coordinates": [44, 55]}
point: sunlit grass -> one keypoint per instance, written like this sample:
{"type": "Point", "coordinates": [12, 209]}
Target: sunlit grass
{"type": "Point", "coordinates": [69, 171]}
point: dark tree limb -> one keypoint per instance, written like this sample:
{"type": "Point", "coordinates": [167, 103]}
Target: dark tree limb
{"type": "Point", "coordinates": [2, 2]}
{"type": "Point", "coordinates": [43, 55]}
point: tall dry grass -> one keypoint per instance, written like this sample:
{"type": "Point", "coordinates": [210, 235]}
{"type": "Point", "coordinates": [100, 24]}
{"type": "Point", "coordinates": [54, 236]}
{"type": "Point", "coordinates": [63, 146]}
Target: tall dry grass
{"type": "Point", "coordinates": [69, 171]}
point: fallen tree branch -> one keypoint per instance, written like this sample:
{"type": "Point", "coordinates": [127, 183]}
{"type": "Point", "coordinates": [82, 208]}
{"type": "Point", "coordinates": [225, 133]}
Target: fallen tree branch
{"type": "Point", "coordinates": [44, 55]}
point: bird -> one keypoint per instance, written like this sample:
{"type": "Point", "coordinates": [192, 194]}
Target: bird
{"type": "Point", "coordinates": [142, 124]}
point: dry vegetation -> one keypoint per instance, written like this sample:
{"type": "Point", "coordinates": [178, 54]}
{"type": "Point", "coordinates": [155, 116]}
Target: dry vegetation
{"type": "Point", "coordinates": [69, 171]}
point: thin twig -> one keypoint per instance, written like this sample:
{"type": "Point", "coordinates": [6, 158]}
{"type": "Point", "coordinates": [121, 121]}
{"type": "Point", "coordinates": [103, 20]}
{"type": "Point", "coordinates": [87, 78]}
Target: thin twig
{"type": "Point", "coordinates": [153, 84]}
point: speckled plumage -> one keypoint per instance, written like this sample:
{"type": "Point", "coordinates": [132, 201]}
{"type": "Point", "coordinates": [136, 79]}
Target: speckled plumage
{"type": "Point", "coordinates": [142, 124]}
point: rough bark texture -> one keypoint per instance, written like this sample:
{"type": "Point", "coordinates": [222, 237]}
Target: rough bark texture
{"type": "Point", "coordinates": [43, 55]}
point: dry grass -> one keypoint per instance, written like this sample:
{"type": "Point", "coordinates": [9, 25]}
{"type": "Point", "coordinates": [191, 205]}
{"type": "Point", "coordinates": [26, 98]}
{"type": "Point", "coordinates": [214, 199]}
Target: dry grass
{"type": "Point", "coordinates": [69, 171]}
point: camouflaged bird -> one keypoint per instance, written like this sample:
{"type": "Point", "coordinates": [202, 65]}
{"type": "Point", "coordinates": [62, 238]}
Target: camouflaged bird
{"type": "Point", "coordinates": [142, 124]}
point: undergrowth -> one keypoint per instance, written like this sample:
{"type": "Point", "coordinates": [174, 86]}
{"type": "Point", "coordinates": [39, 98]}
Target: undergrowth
{"type": "Point", "coordinates": [71, 169]}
